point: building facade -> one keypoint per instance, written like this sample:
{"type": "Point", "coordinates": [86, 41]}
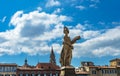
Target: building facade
{"type": "Point", "coordinates": [8, 69]}
{"type": "Point", "coordinates": [92, 70]}
{"type": "Point", "coordinates": [115, 62]}
{"type": "Point", "coordinates": [41, 69]}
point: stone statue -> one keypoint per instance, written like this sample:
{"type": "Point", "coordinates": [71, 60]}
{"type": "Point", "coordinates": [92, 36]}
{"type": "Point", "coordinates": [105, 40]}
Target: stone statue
{"type": "Point", "coordinates": [66, 53]}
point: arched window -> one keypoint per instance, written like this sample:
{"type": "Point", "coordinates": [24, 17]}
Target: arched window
{"type": "Point", "coordinates": [38, 74]}
{"type": "Point", "coordinates": [56, 74]}
{"type": "Point", "coordinates": [45, 74]}
{"type": "Point", "coordinates": [21, 74]}
{"type": "Point", "coordinates": [50, 74]}
{"type": "Point", "coordinates": [26, 74]}
{"type": "Point", "coordinates": [33, 74]}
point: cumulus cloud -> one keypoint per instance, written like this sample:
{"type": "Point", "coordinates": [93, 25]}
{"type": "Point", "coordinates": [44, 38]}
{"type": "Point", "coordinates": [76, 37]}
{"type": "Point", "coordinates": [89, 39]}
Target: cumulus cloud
{"type": "Point", "coordinates": [105, 44]}
{"type": "Point", "coordinates": [90, 34]}
{"type": "Point", "coordinates": [34, 23]}
{"type": "Point", "coordinates": [35, 32]}
{"type": "Point", "coordinates": [52, 3]}
{"type": "Point", "coordinates": [32, 33]}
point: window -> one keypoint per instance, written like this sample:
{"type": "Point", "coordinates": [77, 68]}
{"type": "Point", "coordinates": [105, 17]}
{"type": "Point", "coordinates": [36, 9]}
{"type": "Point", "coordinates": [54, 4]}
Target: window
{"type": "Point", "coordinates": [13, 75]}
{"type": "Point", "coordinates": [14, 69]}
{"type": "Point", "coordinates": [103, 71]}
{"type": "Point", "coordinates": [41, 66]}
{"type": "Point", "coordinates": [21, 74]}
{"type": "Point", "coordinates": [0, 69]}
{"type": "Point", "coordinates": [49, 67]}
{"type": "Point", "coordinates": [38, 74]}
{"type": "Point", "coordinates": [108, 71]}
{"type": "Point", "coordinates": [93, 72]}
{"type": "Point", "coordinates": [33, 74]}
{"type": "Point", "coordinates": [50, 74]}
{"type": "Point", "coordinates": [56, 74]}
{"type": "Point", "coordinates": [44, 74]}
{"type": "Point", "coordinates": [118, 63]}
{"type": "Point", "coordinates": [7, 75]}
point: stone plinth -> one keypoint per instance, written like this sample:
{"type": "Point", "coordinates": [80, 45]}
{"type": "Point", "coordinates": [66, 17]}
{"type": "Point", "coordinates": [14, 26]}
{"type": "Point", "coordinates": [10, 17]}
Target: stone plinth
{"type": "Point", "coordinates": [67, 71]}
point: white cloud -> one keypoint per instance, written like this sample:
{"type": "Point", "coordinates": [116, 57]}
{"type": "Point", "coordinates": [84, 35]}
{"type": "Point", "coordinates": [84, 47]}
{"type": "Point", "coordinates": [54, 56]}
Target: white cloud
{"type": "Point", "coordinates": [32, 33]}
{"type": "Point", "coordinates": [80, 26]}
{"type": "Point", "coordinates": [57, 11]}
{"type": "Point", "coordinates": [90, 34]}
{"type": "Point", "coordinates": [34, 23]}
{"type": "Point", "coordinates": [57, 47]}
{"type": "Point", "coordinates": [52, 3]}
{"type": "Point", "coordinates": [101, 23]}
{"type": "Point", "coordinates": [96, 1]}
{"type": "Point", "coordinates": [39, 8]}
{"type": "Point", "coordinates": [116, 23]}
{"type": "Point", "coordinates": [3, 19]}
{"type": "Point", "coordinates": [81, 7]}
{"type": "Point", "coordinates": [93, 5]}
{"type": "Point", "coordinates": [103, 45]}
{"type": "Point", "coordinates": [86, 4]}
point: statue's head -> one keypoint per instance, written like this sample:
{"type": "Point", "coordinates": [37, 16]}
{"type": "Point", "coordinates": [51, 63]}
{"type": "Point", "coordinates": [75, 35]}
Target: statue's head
{"type": "Point", "coordinates": [66, 31]}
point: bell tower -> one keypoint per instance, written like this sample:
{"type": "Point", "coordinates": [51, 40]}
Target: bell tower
{"type": "Point", "coordinates": [52, 57]}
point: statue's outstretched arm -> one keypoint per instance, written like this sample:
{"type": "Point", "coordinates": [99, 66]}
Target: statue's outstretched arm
{"type": "Point", "coordinates": [75, 39]}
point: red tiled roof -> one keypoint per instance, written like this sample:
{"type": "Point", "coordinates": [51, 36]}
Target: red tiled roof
{"type": "Point", "coordinates": [8, 64]}
{"type": "Point", "coordinates": [109, 67]}
{"type": "Point", "coordinates": [28, 69]}
{"type": "Point", "coordinates": [93, 66]}
{"type": "Point", "coordinates": [47, 66]}
{"type": "Point", "coordinates": [82, 72]}
{"type": "Point", "coordinates": [117, 59]}
{"type": "Point", "coordinates": [105, 67]}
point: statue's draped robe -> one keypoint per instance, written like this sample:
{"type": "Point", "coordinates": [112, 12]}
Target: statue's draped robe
{"type": "Point", "coordinates": [66, 54]}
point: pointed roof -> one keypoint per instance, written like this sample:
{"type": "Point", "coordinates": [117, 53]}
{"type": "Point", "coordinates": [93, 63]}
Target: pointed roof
{"type": "Point", "coordinates": [52, 57]}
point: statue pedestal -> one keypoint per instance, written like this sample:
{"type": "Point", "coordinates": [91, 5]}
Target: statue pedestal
{"type": "Point", "coordinates": [67, 71]}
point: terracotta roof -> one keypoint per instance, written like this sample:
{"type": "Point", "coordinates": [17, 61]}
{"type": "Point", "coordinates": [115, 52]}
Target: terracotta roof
{"type": "Point", "coordinates": [47, 66]}
{"type": "Point", "coordinates": [82, 72]}
{"type": "Point", "coordinates": [118, 66]}
{"type": "Point", "coordinates": [116, 59]}
{"type": "Point", "coordinates": [26, 66]}
{"type": "Point", "coordinates": [107, 67]}
{"type": "Point", "coordinates": [29, 69]}
{"type": "Point", "coordinates": [8, 64]}
{"type": "Point", "coordinates": [93, 66]}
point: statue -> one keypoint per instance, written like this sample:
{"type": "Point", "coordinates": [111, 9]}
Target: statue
{"type": "Point", "coordinates": [66, 53]}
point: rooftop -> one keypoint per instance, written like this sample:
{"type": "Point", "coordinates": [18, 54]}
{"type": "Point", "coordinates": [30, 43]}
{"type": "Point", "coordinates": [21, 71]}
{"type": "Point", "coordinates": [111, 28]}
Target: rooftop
{"type": "Point", "coordinates": [8, 64]}
{"type": "Point", "coordinates": [116, 59]}
{"type": "Point", "coordinates": [47, 66]}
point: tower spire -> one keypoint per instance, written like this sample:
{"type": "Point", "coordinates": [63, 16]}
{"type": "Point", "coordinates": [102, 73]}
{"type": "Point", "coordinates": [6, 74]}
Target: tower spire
{"type": "Point", "coordinates": [52, 57]}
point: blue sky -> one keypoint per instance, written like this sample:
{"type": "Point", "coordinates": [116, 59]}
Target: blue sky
{"type": "Point", "coordinates": [29, 28]}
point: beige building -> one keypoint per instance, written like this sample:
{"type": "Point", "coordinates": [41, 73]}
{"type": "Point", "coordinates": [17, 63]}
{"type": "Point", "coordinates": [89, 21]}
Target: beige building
{"type": "Point", "coordinates": [115, 62]}
{"type": "Point", "coordinates": [92, 70]}
{"type": "Point", "coordinates": [8, 69]}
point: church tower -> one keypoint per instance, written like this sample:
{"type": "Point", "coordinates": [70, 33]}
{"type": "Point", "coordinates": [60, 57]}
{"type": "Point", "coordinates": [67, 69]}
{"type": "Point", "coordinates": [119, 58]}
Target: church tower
{"type": "Point", "coordinates": [52, 57]}
{"type": "Point", "coordinates": [26, 64]}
